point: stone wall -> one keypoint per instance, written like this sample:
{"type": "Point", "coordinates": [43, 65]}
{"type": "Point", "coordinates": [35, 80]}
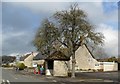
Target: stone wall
{"type": "Point", "coordinates": [28, 61]}
{"type": "Point", "coordinates": [84, 59]}
{"type": "Point", "coordinates": [110, 66]}
{"type": "Point", "coordinates": [38, 61]}
{"type": "Point", "coordinates": [60, 68]}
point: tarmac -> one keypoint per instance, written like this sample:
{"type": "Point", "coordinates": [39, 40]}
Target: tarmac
{"type": "Point", "coordinates": [65, 80]}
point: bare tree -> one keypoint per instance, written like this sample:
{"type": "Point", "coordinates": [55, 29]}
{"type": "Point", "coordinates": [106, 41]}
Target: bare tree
{"type": "Point", "coordinates": [76, 30]}
{"type": "Point", "coordinates": [71, 28]}
{"type": "Point", "coordinates": [45, 36]}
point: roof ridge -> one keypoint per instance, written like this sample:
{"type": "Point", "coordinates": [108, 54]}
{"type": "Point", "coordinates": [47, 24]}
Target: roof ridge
{"type": "Point", "coordinates": [89, 50]}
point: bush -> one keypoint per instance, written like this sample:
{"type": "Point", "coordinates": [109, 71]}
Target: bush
{"type": "Point", "coordinates": [21, 66]}
{"type": "Point", "coordinates": [94, 70]}
{"type": "Point", "coordinates": [89, 69]}
{"type": "Point", "coordinates": [100, 70]}
{"type": "Point", "coordinates": [81, 70]}
{"type": "Point", "coordinates": [6, 65]}
{"type": "Point", "coordinates": [25, 66]}
{"type": "Point", "coordinates": [12, 65]}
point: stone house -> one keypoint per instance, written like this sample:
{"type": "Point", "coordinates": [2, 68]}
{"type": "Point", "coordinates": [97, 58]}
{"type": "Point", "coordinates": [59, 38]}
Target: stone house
{"type": "Point", "coordinates": [84, 58]}
{"type": "Point", "coordinates": [57, 64]}
{"type": "Point", "coordinates": [22, 58]}
{"type": "Point", "coordinates": [86, 61]}
{"type": "Point", "coordinates": [39, 59]}
{"type": "Point", "coordinates": [27, 59]}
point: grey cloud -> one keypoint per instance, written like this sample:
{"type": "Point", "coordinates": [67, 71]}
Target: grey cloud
{"type": "Point", "coordinates": [19, 26]}
{"type": "Point", "coordinates": [19, 18]}
{"type": "Point", "coordinates": [26, 18]}
{"type": "Point", "coordinates": [19, 44]}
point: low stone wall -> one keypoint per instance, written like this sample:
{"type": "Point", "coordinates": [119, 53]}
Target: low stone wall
{"type": "Point", "coordinates": [111, 67]}
{"type": "Point", "coordinates": [107, 66]}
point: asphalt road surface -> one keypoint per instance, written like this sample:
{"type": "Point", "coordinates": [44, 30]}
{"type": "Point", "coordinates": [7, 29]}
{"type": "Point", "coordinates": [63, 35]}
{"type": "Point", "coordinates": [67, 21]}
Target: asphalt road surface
{"type": "Point", "coordinates": [114, 76]}
{"type": "Point", "coordinates": [11, 77]}
{"type": "Point", "coordinates": [0, 75]}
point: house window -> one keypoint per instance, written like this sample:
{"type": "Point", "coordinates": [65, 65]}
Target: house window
{"type": "Point", "coordinates": [96, 64]}
{"type": "Point", "coordinates": [101, 63]}
{"type": "Point", "coordinates": [89, 60]}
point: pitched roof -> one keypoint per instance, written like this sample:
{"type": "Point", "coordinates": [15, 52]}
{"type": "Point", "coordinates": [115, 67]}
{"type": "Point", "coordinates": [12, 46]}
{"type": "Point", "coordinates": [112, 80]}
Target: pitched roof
{"type": "Point", "coordinates": [39, 56]}
{"type": "Point", "coordinates": [89, 51]}
{"type": "Point", "coordinates": [57, 55]}
{"type": "Point", "coordinates": [24, 57]}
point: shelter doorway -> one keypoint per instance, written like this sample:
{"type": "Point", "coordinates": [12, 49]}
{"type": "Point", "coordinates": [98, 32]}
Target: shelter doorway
{"type": "Point", "coordinates": [119, 66]}
{"type": "Point", "coordinates": [50, 64]}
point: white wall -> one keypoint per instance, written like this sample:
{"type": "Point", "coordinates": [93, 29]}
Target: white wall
{"type": "Point", "coordinates": [29, 59]}
{"type": "Point", "coordinates": [38, 61]}
{"type": "Point", "coordinates": [110, 66]}
{"type": "Point", "coordinates": [84, 59]}
{"type": "Point", "coordinates": [60, 68]}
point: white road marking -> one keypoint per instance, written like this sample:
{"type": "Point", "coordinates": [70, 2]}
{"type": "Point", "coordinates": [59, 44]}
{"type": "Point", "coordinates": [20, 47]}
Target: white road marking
{"type": "Point", "coordinates": [8, 81]}
{"type": "Point", "coordinates": [54, 81]}
{"type": "Point", "coordinates": [108, 81]}
{"type": "Point", "coordinates": [3, 81]}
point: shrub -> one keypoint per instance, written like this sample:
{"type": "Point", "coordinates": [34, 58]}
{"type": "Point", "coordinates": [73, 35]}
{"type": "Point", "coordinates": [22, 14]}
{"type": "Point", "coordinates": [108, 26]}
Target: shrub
{"type": "Point", "coordinates": [100, 70]}
{"type": "Point", "coordinates": [81, 69]}
{"type": "Point", "coordinates": [89, 69]}
{"type": "Point", "coordinates": [25, 66]}
{"type": "Point", "coordinates": [21, 66]}
{"type": "Point", "coordinates": [94, 70]}
{"type": "Point", "coordinates": [6, 65]}
{"type": "Point", "coordinates": [12, 65]}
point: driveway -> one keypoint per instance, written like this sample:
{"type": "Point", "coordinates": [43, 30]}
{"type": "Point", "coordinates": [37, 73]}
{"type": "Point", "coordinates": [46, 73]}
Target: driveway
{"type": "Point", "coordinates": [11, 76]}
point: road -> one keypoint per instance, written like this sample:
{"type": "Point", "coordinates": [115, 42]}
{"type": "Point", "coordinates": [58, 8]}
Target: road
{"type": "Point", "coordinates": [12, 77]}
{"type": "Point", "coordinates": [114, 76]}
{"type": "Point", "coordinates": [0, 75]}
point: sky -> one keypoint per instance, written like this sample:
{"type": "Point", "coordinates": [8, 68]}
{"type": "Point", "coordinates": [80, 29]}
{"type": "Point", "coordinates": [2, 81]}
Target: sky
{"type": "Point", "coordinates": [20, 21]}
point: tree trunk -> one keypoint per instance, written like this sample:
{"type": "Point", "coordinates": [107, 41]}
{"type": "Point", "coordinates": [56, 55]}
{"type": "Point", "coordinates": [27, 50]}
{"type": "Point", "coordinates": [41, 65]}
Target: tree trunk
{"type": "Point", "coordinates": [73, 65]}
{"type": "Point", "coordinates": [46, 67]}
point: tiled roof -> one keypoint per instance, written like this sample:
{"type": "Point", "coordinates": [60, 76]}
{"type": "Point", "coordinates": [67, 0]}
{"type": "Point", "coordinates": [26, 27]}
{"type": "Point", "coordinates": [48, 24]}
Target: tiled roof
{"type": "Point", "coordinates": [89, 51]}
{"type": "Point", "coordinates": [24, 57]}
{"type": "Point", "coordinates": [39, 56]}
{"type": "Point", "coordinates": [57, 55]}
